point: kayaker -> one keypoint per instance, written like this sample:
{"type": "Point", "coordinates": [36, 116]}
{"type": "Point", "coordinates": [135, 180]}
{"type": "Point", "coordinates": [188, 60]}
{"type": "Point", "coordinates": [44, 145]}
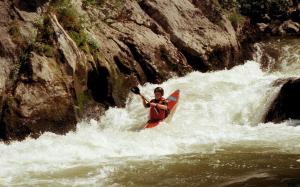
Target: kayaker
{"type": "Point", "coordinates": [158, 106]}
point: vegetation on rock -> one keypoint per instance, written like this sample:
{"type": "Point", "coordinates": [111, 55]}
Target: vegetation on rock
{"type": "Point", "coordinates": [258, 9]}
{"type": "Point", "coordinates": [236, 19]}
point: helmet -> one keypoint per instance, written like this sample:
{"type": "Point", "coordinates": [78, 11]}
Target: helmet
{"type": "Point", "coordinates": [159, 89]}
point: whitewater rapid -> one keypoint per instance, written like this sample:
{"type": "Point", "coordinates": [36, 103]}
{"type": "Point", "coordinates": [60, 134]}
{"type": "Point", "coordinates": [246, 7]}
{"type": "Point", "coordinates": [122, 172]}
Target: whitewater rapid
{"type": "Point", "coordinates": [218, 111]}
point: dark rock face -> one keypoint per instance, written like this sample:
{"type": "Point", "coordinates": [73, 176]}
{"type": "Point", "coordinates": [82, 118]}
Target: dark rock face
{"type": "Point", "coordinates": [286, 105]}
{"type": "Point", "coordinates": [260, 10]}
{"type": "Point", "coordinates": [29, 5]}
{"type": "Point", "coordinates": [296, 16]}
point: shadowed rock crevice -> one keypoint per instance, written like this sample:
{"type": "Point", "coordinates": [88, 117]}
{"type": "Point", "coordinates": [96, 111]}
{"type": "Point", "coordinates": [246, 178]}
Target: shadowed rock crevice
{"type": "Point", "coordinates": [222, 58]}
{"type": "Point", "coordinates": [171, 61]}
{"type": "Point", "coordinates": [142, 59]}
{"type": "Point", "coordinates": [29, 5]}
{"type": "Point", "coordinates": [122, 67]}
{"type": "Point", "coordinates": [3, 126]}
{"type": "Point", "coordinates": [155, 15]}
{"type": "Point", "coordinates": [196, 62]}
{"type": "Point", "coordinates": [25, 72]}
{"type": "Point", "coordinates": [99, 86]}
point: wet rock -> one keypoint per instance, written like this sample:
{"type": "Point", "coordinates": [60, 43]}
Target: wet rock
{"type": "Point", "coordinates": [262, 26]}
{"type": "Point", "coordinates": [285, 28]}
{"type": "Point", "coordinates": [286, 105]}
{"type": "Point", "coordinates": [40, 102]}
{"type": "Point", "coordinates": [280, 31]}
{"type": "Point", "coordinates": [290, 27]}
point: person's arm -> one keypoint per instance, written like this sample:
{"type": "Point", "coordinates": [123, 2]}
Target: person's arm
{"type": "Point", "coordinates": [162, 106]}
{"type": "Point", "coordinates": [145, 102]}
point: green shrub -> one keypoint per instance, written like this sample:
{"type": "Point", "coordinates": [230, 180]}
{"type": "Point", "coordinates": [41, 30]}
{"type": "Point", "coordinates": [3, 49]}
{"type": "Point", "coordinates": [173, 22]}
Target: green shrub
{"type": "Point", "coordinates": [43, 44]}
{"type": "Point", "coordinates": [67, 15]}
{"type": "Point", "coordinates": [48, 50]}
{"type": "Point", "coordinates": [93, 44]}
{"type": "Point", "coordinates": [55, 4]}
{"type": "Point", "coordinates": [17, 37]}
{"type": "Point", "coordinates": [228, 4]}
{"type": "Point", "coordinates": [70, 19]}
{"type": "Point", "coordinates": [216, 3]}
{"type": "Point", "coordinates": [89, 2]}
{"type": "Point", "coordinates": [82, 100]}
{"type": "Point", "coordinates": [45, 31]}
{"type": "Point", "coordinates": [42, 48]}
{"type": "Point", "coordinates": [236, 19]}
{"type": "Point", "coordinates": [14, 31]}
{"type": "Point", "coordinates": [80, 38]}
{"type": "Point", "coordinates": [73, 22]}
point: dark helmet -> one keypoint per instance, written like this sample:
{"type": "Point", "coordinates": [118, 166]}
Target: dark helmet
{"type": "Point", "coordinates": [159, 89]}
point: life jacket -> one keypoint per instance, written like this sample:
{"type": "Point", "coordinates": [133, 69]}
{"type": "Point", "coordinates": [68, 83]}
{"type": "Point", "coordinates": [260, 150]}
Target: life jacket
{"type": "Point", "coordinates": [157, 114]}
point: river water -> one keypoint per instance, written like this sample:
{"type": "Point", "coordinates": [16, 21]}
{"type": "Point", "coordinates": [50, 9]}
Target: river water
{"type": "Point", "coordinates": [215, 138]}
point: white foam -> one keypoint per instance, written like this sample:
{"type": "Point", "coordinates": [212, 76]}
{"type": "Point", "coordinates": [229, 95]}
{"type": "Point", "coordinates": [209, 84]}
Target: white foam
{"type": "Point", "coordinates": [217, 110]}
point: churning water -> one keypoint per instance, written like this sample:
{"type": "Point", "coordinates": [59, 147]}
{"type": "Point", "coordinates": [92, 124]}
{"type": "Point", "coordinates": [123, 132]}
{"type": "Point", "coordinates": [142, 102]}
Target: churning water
{"type": "Point", "coordinates": [215, 138]}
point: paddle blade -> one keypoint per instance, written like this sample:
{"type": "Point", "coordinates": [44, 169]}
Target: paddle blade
{"type": "Point", "coordinates": [135, 90]}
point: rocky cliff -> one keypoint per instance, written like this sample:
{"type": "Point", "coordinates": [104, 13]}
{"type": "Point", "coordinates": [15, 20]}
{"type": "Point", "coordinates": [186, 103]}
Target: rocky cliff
{"type": "Point", "coordinates": [61, 59]}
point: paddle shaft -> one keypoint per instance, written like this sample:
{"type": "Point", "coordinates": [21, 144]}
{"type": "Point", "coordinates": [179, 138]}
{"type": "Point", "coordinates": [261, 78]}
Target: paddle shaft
{"type": "Point", "coordinates": [144, 98]}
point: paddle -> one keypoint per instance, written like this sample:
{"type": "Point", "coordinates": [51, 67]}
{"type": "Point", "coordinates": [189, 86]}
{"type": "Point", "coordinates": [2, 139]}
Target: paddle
{"type": "Point", "coordinates": [137, 91]}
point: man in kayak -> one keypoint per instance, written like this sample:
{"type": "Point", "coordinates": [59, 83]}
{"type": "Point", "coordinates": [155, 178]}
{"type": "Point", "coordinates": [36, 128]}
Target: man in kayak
{"type": "Point", "coordinates": [158, 106]}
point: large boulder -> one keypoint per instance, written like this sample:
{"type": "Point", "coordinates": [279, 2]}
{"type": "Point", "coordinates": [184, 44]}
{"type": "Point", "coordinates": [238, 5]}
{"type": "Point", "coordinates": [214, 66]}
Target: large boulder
{"type": "Point", "coordinates": [206, 45]}
{"type": "Point", "coordinates": [38, 93]}
{"type": "Point", "coordinates": [40, 102]}
{"type": "Point", "coordinates": [286, 105]}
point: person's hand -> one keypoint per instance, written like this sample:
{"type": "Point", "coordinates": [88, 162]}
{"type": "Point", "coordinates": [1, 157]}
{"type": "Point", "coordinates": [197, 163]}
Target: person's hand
{"type": "Point", "coordinates": [153, 104]}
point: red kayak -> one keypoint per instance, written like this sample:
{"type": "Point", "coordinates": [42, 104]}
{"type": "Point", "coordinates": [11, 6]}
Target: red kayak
{"type": "Point", "coordinates": [172, 103]}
